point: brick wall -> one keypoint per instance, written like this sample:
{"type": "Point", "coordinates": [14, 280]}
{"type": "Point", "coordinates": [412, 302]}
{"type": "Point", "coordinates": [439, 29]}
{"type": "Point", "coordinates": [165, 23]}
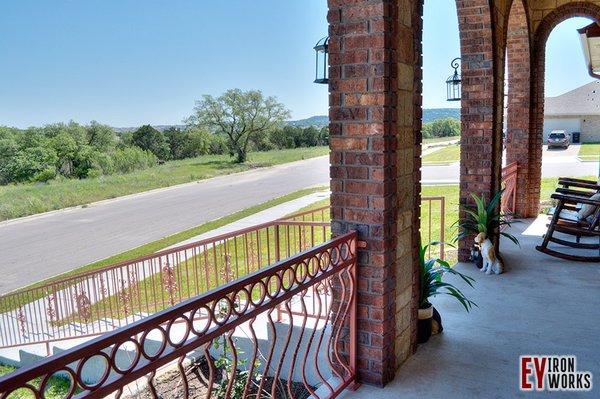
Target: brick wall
{"type": "Point", "coordinates": [519, 99]}
{"type": "Point", "coordinates": [374, 114]}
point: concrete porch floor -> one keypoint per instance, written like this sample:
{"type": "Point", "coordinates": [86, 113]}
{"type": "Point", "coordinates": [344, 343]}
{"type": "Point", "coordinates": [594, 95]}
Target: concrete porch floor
{"type": "Point", "coordinates": [541, 305]}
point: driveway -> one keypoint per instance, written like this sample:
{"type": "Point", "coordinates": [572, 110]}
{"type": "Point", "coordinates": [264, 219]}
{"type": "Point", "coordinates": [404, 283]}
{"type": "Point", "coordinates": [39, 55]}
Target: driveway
{"type": "Point", "coordinates": [560, 154]}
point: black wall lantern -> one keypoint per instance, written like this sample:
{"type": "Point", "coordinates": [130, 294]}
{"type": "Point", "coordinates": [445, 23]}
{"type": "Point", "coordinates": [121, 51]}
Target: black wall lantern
{"type": "Point", "coordinates": [322, 53]}
{"type": "Point", "coordinates": [453, 83]}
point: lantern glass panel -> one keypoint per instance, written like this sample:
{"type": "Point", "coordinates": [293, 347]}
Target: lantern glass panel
{"type": "Point", "coordinates": [321, 61]}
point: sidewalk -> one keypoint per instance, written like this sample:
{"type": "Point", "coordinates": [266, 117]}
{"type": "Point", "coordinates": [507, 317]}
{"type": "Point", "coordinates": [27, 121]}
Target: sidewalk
{"type": "Point", "coordinates": [276, 212]}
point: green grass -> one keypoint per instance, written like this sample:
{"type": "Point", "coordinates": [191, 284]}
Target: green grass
{"type": "Point", "coordinates": [29, 199]}
{"type": "Point", "coordinates": [447, 154]}
{"type": "Point", "coordinates": [57, 387]}
{"type": "Point", "coordinates": [165, 242]}
{"type": "Point", "coordinates": [440, 139]}
{"type": "Point", "coordinates": [590, 151]}
{"type": "Point", "coordinates": [549, 185]}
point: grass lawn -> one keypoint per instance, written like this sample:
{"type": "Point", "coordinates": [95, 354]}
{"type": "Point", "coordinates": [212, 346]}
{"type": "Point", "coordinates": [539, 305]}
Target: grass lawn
{"type": "Point", "coordinates": [29, 199]}
{"type": "Point", "coordinates": [440, 139]}
{"type": "Point", "coordinates": [447, 154]}
{"type": "Point", "coordinates": [590, 151]}
{"type": "Point", "coordinates": [56, 388]}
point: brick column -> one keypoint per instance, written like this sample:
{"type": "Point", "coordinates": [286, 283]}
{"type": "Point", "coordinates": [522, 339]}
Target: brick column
{"type": "Point", "coordinates": [374, 125]}
{"type": "Point", "coordinates": [481, 114]}
{"type": "Point", "coordinates": [519, 102]}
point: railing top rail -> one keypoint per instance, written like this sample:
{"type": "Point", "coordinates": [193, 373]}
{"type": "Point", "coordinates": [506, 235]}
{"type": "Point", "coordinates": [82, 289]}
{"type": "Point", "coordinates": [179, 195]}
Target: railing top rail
{"type": "Point", "coordinates": [510, 169]}
{"type": "Point", "coordinates": [433, 198]}
{"type": "Point", "coordinates": [308, 212]}
{"type": "Point", "coordinates": [84, 351]}
{"type": "Point", "coordinates": [200, 243]}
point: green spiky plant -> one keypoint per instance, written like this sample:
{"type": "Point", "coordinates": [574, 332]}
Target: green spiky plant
{"type": "Point", "coordinates": [431, 276]}
{"type": "Point", "coordinates": [484, 218]}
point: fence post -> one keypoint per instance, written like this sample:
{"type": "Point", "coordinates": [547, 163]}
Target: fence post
{"type": "Point", "coordinates": [353, 315]}
{"type": "Point", "coordinates": [442, 227]}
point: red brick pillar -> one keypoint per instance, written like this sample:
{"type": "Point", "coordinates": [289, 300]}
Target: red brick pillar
{"type": "Point", "coordinates": [374, 125]}
{"type": "Point", "coordinates": [519, 103]}
{"type": "Point", "coordinates": [481, 114]}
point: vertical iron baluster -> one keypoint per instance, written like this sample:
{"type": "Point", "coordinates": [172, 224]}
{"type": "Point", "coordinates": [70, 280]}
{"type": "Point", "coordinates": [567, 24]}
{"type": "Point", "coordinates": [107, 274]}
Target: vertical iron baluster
{"type": "Point", "coordinates": [285, 348]}
{"type": "Point", "coordinates": [304, 314]}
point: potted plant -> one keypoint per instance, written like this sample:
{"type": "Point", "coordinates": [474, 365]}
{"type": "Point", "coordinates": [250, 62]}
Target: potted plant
{"type": "Point", "coordinates": [431, 284]}
{"type": "Point", "coordinates": [484, 218]}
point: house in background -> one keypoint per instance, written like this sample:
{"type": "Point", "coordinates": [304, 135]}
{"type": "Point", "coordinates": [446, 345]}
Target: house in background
{"type": "Point", "coordinates": [575, 111]}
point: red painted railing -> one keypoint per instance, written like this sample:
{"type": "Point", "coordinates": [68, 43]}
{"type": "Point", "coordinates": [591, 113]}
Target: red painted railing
{"type": "Point", "coordinates": [92, 303]}
{"type": "Point", "coordinates": [431, 231]}
{"type": "Point", "coordinates": [509, 184]}
{"type": "Point", "coordinates": [225, 342]}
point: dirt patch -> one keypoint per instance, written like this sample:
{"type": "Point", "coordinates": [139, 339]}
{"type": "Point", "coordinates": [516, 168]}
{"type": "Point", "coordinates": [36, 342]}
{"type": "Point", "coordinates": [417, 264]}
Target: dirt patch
{"type": "Point", "coordinates": [170, 385]}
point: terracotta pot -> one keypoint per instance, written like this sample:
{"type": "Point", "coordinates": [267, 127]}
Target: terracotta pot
{"type": "Point", "coordinates": [424, 324]}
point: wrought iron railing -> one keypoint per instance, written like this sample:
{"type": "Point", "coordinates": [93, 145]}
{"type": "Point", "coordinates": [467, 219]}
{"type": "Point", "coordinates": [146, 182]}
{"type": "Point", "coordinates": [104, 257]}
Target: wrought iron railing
{"type": "Point", "coordinates": [92, 303]}
{"type": "Point", "coordinates": [508, 203]}
{"type": "Point", "coordinates": [434, 209]}
{"type": "Point", "coordinates": [225, 342]}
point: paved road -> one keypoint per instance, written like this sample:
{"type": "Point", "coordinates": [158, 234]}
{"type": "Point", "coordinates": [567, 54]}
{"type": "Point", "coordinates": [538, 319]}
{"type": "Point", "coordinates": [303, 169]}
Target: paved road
{"type": "Point", "coordinates": [552, 167]}
{"type": "Point", "coordinates": [41, 247]}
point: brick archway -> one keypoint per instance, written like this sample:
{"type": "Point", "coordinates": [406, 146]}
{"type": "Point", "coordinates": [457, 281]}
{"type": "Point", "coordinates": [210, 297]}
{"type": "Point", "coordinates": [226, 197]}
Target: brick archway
{"type": "Point", "coordinates": [548, 23]}
{"type": "Point", "coordinates": [518, 52]}
{"type": "Point", "coordinates": [481, 112]}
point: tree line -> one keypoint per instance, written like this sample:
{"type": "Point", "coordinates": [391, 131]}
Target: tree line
{"type": "Point", "coordinates": [234, 123]}
{"type": "Point", "coordinates": [444, 127]}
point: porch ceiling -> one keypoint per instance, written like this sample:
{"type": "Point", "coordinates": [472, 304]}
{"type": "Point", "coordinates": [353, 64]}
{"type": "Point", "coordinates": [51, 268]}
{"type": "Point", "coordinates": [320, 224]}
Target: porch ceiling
{"type": "Point", "coordinates": [541, 305]}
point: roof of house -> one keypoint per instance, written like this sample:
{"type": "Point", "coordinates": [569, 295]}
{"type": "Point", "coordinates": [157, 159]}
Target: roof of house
{"type": "Point", "coordinates": [584, 100]}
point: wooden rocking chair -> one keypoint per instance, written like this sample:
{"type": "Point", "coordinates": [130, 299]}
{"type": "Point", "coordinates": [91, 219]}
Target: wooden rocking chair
{"type": "Point", "coordinates": [565, 220]}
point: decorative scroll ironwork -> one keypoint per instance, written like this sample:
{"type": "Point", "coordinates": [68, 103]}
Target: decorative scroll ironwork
{"type": "Point", "coordinates": [225, 342]}
{"type": "Point", "coordinates": [508, 203]}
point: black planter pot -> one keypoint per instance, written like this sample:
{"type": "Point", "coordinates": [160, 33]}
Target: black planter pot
{"type": "Point", "coordinates": [476, 257]}
{"type": "Point", "coordinates": [424, 324]}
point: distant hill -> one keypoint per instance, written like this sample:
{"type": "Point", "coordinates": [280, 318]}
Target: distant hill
{"type": "Point", "coordinates": [317, 121]}
{"type": "Point", "coordinates": [429, 114]}
{"type": "Point", "coordinates": [161, 128]}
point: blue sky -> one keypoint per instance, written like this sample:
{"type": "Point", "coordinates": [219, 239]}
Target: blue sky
{"type": "Point", "coordinates": [128, 62]}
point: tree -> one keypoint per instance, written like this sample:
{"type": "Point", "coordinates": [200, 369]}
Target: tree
{"type": "Point", "coordinates": [242, 116]}
{"type": "Point", "coordinates": [150, 139]}
{"type": "Point", "coordinates": [101, 137]}
{"type": "Point", "coordinates": [445, 127]}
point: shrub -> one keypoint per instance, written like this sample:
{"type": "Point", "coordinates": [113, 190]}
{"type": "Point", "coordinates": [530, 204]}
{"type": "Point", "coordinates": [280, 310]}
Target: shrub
{"type": "Point", "coordinates": [128, 159]}
{"type": "Point", "coordinates": [27, 163]}
{"type": "Point", "coordinates": [44, 175]}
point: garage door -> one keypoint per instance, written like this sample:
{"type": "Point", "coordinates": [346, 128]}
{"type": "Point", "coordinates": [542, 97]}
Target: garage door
{"type": "Point", "coordinates": [569, 124]}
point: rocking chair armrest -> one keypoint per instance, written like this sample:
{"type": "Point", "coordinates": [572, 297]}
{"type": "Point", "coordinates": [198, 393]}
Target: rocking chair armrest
{"type": "Point", "coordinates": [577, 193]}
{"type": "Point", "coordinates": [569, 199]}
{"type": "Point", "coordinates": [579, 183]}
{"type": "Point", "coordinates": [576, 180]}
